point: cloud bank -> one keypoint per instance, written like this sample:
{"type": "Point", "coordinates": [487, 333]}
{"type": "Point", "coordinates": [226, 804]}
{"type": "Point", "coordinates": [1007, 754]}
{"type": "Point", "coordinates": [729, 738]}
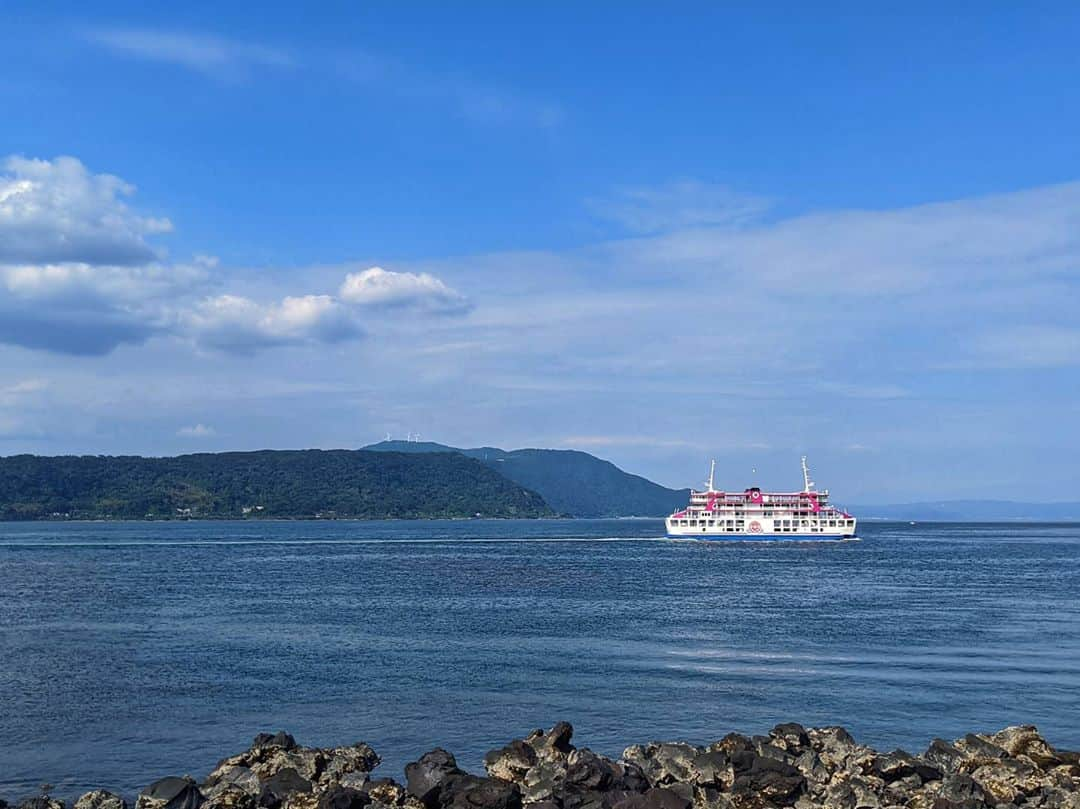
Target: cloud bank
{"type": "Point", "coordinates": [78, 275]}
{"type": "Point", "coordinates": [57, 211]}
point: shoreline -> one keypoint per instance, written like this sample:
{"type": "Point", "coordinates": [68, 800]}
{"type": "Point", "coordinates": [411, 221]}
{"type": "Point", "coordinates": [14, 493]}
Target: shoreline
{"type": "Point", "coordinates": [791, 766]}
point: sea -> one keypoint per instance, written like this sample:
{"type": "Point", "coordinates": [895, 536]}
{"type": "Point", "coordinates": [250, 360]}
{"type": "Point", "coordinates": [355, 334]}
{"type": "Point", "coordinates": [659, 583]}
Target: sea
{"type": "Point", "coordinates": [131, 651]}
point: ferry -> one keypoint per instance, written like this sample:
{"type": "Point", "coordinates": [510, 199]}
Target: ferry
{"type": "Point", "coordinates": [753, 514]}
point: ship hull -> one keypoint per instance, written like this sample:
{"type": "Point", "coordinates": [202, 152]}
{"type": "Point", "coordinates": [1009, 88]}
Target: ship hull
{"type": "Point", "coordinates": [732, 537]}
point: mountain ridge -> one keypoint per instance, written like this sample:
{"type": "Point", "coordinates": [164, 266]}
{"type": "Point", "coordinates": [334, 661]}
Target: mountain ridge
{"type": "Point", "coordinates": [572, 482]}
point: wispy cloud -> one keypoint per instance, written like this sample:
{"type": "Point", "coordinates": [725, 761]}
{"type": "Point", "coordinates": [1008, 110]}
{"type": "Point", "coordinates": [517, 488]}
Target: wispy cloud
{"type": "Point", "coordinates": [678, 205]}
{"type": "Point", "coordinates": [1027, 346]}
{"type": "Point", "coordinates": [196, 431]}
{"type": "Point", "coordinates": [473, 99]}
{"type": "Point", "coordinates": [213, 55]}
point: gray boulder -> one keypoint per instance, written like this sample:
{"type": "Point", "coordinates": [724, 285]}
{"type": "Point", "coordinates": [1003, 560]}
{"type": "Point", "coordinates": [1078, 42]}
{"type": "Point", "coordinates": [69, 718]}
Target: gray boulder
{"type": "Point", "coordinates": [425, 777]}
{"type": "Point", "coordinates": [171, 793]}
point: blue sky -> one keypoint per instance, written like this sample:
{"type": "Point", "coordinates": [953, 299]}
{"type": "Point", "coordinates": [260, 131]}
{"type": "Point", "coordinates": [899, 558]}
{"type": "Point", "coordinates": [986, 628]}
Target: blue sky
{"type": "Point", "coordinates": [659, 235]}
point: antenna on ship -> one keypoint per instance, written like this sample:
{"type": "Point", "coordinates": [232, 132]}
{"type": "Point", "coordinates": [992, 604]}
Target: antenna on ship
{"type": "Point", "coordinates": [712, 473]}
{"type": "Point", "coordinates": [808, 485]}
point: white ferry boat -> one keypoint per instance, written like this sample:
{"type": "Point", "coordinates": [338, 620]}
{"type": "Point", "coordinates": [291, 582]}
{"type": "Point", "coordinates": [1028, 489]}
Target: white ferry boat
{"type": "Point", "coordinates": [756, 515]}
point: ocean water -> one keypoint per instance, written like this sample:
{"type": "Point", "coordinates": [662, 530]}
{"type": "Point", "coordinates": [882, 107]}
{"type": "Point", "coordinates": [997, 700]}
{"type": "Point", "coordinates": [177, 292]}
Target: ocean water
{"type": "Point", "coordinates": [134, 651]}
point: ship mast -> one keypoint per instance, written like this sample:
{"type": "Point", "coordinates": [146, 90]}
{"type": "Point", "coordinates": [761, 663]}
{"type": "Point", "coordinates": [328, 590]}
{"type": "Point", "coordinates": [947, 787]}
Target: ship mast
{"type": "Point", "coordinates": [712, 473]}
{"type": "Point", "coordinates": [808, 485]}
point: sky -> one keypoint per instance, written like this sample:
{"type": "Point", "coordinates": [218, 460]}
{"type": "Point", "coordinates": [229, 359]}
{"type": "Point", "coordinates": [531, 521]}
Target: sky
{"type": "Point", "coordinates": [659, 234]}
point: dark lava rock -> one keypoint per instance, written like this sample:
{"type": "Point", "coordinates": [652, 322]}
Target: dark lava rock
{"type": "Point", "coordinates": [655, 798]}
{"type": "Point", "coordinates": [978, 750]}
{"type": "Point", "coordinates": [553, 744]}
{"type": "Point", "coordinates": [425, 776]}
{"type": "Point", "coordinates": [897, 765]}
{"type": "Point", "coordinates": [42, 802]}
{"type": "Point", "coordinates": [511, 762]}
{"type": "Point", "coordinates": [171, 793]}
{"type": "Point", "coordinates": [281, 785]}
{"type": "Point", "coordinates": [386, 791]}
{"type": "Point", "coordinates": [463, 791]}
{"type": "Point", "coordinates": [733, 743]}
{"type": "Point", "coordinates": [793, 766]}
{"type": "Point", "coordinates": [960, 791]}
{"type": "Point", "coordinates": [280, 739]}
{"type": "Point", "coordinates": [587, 771]}
{"type": "Point", "coordinates": [337, 797]}
{"type": "Point", "coordinates": [791, 736]}
{"type": "Point", "coordinates": [1024, 740]}
{"type": "Point", "coordinates": [664, 762]}
{"type": "Point", "coordinates": [944, 755]}
{"type": "Point", "coordinates": [100, 799]}
{"type": "Point", "coordinates": [775, 782]}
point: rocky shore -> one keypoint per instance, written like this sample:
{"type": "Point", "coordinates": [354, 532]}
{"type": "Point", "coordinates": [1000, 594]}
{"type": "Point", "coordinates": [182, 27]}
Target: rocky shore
{"type": "Point", "coordinates": [792, 766]}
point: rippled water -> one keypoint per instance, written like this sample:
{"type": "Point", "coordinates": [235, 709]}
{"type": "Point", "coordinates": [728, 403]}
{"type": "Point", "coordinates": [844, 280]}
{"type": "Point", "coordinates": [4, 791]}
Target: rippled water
{"type": "Point", "coordinates": [132, 651]}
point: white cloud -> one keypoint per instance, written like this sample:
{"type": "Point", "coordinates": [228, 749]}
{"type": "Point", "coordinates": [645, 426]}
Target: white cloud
{"type": "Point", "coordinates": [77, 276]}
{"type": "Point", "coordinates": [208, 54]}
{"type": "Point", "coordinates": [111, 285]}
{"type": "Point", "coordinates": [377, 287]}
{"type": "Point", "coordinates": [238, 324]}
{"type": "Point", "coordinates": [54, 211]}
{"type": "Point", "coordinates": [197, 431]}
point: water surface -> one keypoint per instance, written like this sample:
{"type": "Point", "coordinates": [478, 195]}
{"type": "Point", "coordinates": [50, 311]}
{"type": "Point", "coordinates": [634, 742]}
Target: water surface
{"type": "Point", "coordinates": [129, 651]}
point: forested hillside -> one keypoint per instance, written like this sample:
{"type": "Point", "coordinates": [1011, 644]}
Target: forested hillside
{"type": "Point", "coordinates": [269, 483]}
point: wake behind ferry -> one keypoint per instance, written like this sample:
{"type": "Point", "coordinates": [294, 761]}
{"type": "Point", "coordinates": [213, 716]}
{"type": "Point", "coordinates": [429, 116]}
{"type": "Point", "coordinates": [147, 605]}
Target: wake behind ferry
{"type": "Point", "coordinates": [756, 515]}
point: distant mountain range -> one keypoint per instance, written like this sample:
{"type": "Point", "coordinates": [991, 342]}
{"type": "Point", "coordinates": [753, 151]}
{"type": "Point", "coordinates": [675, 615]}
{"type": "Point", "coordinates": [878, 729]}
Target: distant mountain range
{"type": "Point", "coordinates": [971, 511]}
{"type": "Point", "coordinates": [391, 479]}
{"type": "Point", "coordinates": [573, 483]}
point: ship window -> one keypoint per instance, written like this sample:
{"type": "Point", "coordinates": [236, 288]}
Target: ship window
{"type": "Point", "coordinates": [712, 522]}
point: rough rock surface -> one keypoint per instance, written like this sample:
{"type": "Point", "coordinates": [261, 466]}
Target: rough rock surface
{"type": "Point", "coordinates": [277, 773]}
{"type": "Point", "coordinates": [792, 766]}
{"type": "Point", "coordinates": [100, 799]}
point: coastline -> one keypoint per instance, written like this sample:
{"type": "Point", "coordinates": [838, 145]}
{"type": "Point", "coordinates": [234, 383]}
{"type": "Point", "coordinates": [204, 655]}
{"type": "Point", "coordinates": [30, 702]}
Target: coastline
{"type": "Point", "coordinates": [791, 766]}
